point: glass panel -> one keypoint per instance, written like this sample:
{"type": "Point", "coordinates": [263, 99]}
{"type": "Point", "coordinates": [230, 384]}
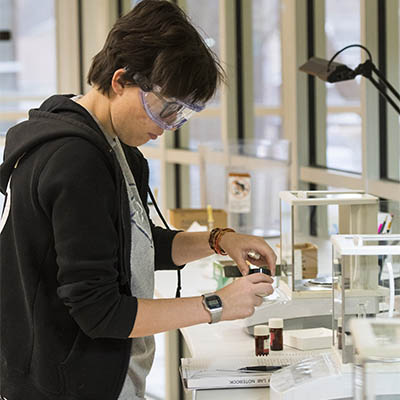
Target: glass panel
{"type": "Point", "coordinates": [344, 150]}
{"type": "Point", "coordinates": [356, 270]}
{"type": "Point", "coordinates": [311, 244]}
{"type": "Point", "coordinates": [268, 127]}
{"type": "Point", "coordinates": [393, 148]}
{"type": "Point", "coordinates": [333, 212]}
{"type": "Point", "coordinates": [389, 222]}
{"type": "Point", "coordinates": [286, 245]}
{"type": "Point", "coordinates": [202, 130]}
{"type": "Point", "coordinates": [194, 176]}
{"type": "Point", "coordinates": [248, 168]}
{"type": "Point", "coordinates": [215, 183]}
{"type": "Point", "coordinates": [267, 52]}
{"type": "Point", "coordinates": [342, 28]}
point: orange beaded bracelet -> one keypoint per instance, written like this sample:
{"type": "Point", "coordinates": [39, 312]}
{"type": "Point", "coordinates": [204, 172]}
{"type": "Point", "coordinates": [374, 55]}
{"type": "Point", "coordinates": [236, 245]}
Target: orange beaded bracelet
{"type": "Point", "coordinates": [215, 237]}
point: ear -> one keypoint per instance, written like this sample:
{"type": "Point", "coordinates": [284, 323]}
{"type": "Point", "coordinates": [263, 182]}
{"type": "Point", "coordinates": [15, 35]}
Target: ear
{"type": "Point", "coordinates": [117, 84]}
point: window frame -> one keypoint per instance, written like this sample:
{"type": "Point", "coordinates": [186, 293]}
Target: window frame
{"type": "Point", "coordinates": [370, 179]}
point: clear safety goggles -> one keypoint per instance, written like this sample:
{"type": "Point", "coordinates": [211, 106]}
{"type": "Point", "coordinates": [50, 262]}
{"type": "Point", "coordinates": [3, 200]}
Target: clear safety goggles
{"type": "Point", "coordinates": [167, 113]}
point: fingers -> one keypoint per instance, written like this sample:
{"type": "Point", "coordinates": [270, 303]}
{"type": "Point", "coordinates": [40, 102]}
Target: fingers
{"type": "Point", "coordinates": [267, 257]}
{"type": "Point", "coordinates": [264, 289]}
{"type": "Point", "coordinates": [271, 261]}
{"type": "Point", "coordinates": [243, 267]}
{"type": "Point", "coordinates": [258, 301]}
{"type": "Point", "coordinates": [260, 277]}
{"type": "Point", "coordinates": [263, 262]}
{"type": "Point", "coordinates": [260, 291]}
{"type": "Point", "coordinates": [243, 248]}
{"type": "Point", "coordinates": [241, 296]}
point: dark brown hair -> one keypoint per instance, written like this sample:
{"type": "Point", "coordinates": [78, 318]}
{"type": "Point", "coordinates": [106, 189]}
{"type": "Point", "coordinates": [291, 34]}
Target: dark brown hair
{"type": "Point", "coordinates": [157, 40]}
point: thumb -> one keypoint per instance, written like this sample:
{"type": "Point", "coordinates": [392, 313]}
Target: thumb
{"type": "Point", "coordinates": [243, 266]}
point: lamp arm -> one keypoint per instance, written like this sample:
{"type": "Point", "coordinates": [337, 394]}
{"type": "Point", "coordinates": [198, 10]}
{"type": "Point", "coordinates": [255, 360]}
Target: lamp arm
{"type": "Point", "coordinates": [385, 81]}
{"type": "Point", "coordinates": [366, 69]}
{"type": "Point", "coordinates": [381, 88]}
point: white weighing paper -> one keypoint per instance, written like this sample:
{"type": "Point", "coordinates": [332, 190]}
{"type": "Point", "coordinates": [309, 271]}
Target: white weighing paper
{"type": "Point", "coordinates": [308, 339]}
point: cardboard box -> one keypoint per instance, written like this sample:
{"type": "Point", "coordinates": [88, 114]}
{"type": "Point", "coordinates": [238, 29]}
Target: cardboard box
{"type": "Point", "coordinates": [182, 218]}
{"type": "Point", "coordinates": [306, 254]}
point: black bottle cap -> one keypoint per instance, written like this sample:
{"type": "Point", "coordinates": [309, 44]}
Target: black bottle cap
{"type": "Point", "coordinates": [263, 270]}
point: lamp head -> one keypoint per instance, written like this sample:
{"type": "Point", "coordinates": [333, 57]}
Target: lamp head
{"type": "Point", "coordinates": [319, 67]}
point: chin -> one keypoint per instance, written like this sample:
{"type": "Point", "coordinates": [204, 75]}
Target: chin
{"type": "Point", "coordinates": [132, 143]}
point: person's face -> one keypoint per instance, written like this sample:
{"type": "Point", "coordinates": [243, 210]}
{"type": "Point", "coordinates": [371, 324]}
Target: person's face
{"type": "Point", "coordinates": [129, 119]}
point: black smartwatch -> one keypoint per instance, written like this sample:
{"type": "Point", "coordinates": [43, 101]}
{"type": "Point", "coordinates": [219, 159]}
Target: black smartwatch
{"type": "Point", "coordinates": [213, 304]}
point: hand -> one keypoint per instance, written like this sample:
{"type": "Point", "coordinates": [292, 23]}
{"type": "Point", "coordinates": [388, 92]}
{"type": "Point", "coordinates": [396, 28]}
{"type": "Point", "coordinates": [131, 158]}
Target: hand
{"type": "Point", "coordinates": [237, 246]}
{"type": "Point", "coordinates": [240, 297]}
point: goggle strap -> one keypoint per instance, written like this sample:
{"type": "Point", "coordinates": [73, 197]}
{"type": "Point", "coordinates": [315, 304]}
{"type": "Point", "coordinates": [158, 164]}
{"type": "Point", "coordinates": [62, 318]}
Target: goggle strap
{"type": "Point", "coordinates": [143, 82]}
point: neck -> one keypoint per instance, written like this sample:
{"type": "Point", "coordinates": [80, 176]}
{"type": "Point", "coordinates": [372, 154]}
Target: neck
{"type": "Point", "coordinates": [99, 105]}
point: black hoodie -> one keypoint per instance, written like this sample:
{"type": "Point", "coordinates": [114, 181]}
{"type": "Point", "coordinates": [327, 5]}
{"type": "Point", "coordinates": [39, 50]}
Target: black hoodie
{"type": "Point", "coordinates": [66, 305]}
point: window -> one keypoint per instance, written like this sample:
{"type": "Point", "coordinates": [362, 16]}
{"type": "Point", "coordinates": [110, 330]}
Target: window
{"type": "Point", "coordinates": [27, 60]}
{"type": "Point", "coordinates": [26, 78]}
{"type": "Point", "coordinates": [392, 158]}
{"type": "Point", "coordinates": [343, 129]}
{"type": "Point", "coordinates": [267, 68]}
{"type": "Point", "coordinates": [205, 126]}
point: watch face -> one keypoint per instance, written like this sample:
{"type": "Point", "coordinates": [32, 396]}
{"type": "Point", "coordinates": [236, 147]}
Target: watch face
{"type": "Point", "coordinates": [213, 302]}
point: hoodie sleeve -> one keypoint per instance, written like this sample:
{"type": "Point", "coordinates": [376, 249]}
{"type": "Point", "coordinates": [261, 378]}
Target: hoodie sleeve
{"type": "Point", "coordinates": [163, 244]}
{"type": "Point", "coordinates": [77, 192]}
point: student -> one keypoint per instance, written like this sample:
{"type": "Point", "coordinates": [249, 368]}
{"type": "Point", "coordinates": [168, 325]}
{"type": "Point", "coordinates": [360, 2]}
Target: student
{"type": "Point", "coordinates": [78, 250]}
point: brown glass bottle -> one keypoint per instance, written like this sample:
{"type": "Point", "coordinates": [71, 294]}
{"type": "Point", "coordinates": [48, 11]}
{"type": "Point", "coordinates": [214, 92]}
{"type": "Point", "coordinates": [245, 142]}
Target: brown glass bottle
{"type": "Point", "coordinates": [276, 333]}
{"type": "Point", "coordinates": [261, 340]}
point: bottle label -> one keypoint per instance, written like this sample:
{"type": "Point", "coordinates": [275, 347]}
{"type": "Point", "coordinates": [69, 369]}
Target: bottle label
{"type": "Point", "coordinates": [272, 336]}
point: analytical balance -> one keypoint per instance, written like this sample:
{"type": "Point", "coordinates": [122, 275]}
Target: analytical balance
{"type": "Point", "coordinates": [307, 220]}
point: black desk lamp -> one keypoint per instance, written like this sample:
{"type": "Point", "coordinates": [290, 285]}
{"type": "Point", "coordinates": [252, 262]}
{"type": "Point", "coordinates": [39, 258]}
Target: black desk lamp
{"type": "Point", "coordinates": [331, 71]}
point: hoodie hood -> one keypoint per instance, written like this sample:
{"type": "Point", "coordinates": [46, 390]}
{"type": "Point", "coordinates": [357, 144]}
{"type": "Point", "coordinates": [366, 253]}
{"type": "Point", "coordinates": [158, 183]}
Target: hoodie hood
{"type": "Point", "coordinates": [57, 117]}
